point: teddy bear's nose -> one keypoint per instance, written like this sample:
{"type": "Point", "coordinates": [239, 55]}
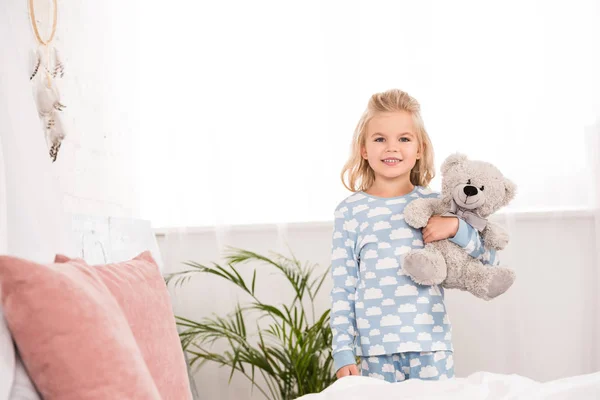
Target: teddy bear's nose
{"type": "Point", "coordinates": [470, 190]}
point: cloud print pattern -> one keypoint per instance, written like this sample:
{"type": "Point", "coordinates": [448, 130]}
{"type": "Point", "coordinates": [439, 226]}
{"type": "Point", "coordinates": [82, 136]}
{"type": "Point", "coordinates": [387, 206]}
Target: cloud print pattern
{"type": "Point", "coordinates": [375, 308]}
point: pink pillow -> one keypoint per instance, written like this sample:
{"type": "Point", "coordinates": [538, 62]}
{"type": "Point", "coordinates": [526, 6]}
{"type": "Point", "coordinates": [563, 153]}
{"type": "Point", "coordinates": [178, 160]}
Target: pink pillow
{"type": "Point", "coordinates": [71, 333]}
{"type": "Point", "coordinates": [144, 298]}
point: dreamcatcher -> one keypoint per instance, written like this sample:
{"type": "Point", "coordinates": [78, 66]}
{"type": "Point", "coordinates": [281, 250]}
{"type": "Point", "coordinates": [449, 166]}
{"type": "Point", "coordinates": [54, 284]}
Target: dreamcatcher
{"type": "Point", "coordinates": [47, 68]}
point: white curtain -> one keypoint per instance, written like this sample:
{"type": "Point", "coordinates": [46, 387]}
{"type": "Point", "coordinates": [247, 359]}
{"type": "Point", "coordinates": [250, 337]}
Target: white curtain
{"type": "Point", "coordinates": [254, 103]}
{"type": "Point", "coordinates": [34, 225]}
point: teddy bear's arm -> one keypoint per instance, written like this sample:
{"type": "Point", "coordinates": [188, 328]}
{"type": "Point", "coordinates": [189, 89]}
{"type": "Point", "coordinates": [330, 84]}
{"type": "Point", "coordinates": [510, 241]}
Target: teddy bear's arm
{"type": "Point", "coordinates": [418, 211]}
{"type": "Point", "coordinates": [494, 236]}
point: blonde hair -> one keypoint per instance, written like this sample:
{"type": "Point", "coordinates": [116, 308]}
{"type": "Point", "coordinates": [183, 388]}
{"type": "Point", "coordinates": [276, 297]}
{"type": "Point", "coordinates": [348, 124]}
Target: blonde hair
{"type": "Point", "coordinates": [357, 174]}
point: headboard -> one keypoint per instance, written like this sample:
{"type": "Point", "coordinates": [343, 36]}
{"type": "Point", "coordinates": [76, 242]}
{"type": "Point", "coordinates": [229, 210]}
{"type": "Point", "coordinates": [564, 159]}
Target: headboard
{"type": "Point", "coordinates": [100, 240]}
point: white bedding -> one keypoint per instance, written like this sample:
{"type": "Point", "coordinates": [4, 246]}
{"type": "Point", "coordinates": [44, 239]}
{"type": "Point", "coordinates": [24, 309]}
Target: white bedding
{"type": "Point", "coordinates": [480, 385]}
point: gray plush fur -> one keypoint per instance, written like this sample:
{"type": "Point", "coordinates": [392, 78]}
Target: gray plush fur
{"type": "Point", "coordinates": [443, 262]}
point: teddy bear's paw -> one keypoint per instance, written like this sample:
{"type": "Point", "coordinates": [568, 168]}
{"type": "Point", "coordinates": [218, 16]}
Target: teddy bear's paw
{"type": "Point", "coordinates": [425, 267]}
{"type": "Point", "coordinates": [500, 282]}
{"type": "Point", "coordinates": [415, 214]}
{"type": "Point", "coordinates": [416, 220]}
{"type": "Point", "coordinates": [497, 241]}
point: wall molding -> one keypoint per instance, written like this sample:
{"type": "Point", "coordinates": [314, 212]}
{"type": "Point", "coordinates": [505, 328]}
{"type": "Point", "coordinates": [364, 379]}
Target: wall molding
{"type": "Point", "coordinates": [582, 213]}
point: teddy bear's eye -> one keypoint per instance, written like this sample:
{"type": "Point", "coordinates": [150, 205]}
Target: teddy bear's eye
{"type": "Point", "coordinates": [482, 187]}
{"type": "Point", "coordinates": [469, 182]}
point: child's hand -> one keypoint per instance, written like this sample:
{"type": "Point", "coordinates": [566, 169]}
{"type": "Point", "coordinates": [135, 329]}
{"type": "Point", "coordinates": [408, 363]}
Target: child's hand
{"type": "Point", "coordinates": [439, 228]}
{"type": "Point", "coordinates": [351, 369]}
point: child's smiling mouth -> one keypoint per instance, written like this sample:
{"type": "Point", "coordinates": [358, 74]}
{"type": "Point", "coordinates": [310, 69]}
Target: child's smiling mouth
{"type": "Point", "coordinates": [391, 161]}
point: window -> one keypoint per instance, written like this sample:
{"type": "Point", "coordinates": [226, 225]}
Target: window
{"type": "Point", "coordinates": [249, 107]}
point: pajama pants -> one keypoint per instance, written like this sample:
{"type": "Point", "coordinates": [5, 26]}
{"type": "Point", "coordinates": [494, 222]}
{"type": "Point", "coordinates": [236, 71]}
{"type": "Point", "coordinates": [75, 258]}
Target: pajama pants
{"type": "Point", "coordinates": [436, 365]}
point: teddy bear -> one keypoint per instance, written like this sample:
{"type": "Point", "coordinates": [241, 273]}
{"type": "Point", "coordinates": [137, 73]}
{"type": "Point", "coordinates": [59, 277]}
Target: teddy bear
{"type": "Point", "coordinates": [471, 190]}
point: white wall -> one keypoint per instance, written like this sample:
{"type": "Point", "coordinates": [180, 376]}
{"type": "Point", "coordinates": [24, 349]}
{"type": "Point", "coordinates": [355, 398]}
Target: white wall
{"type": "Point", "coordinates": [545, 327]}
{"type": "Point", "coordinates": [93, 173]}
{"type": "Point", "coordinates": [95, 167]}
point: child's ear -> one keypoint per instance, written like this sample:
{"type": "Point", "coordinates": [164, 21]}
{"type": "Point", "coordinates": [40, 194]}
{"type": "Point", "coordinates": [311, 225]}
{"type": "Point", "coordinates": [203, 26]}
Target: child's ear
{"type": "Point", "coordinates": [363, 152]}
{"type": "Point", "coordinates": [420, 150]}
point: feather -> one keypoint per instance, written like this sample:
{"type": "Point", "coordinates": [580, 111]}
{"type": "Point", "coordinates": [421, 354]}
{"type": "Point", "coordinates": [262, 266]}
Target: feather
{"type": "Point", "coordinates": [35, 61]}
{"type": "Point", "coordinates": [59, 67]}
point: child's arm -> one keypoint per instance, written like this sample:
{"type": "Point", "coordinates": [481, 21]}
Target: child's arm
{"type": "Point", "coordinates": [471, 241]}
{"type": "Point", "coordinates": [344, 271]}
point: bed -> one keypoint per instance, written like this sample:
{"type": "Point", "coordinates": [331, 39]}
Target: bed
{"type": "Point", "coordinates": [479, 385]}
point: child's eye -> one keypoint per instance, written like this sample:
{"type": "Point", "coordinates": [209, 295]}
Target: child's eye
{"type": "Point", "coordinates": [379, 139]}
{"type": "Point", "coordinates": [404, 139]}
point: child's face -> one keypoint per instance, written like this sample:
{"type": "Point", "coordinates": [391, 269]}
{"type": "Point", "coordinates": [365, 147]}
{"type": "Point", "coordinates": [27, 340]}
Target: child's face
{"type": "Point", "coordinates": [391, 145]}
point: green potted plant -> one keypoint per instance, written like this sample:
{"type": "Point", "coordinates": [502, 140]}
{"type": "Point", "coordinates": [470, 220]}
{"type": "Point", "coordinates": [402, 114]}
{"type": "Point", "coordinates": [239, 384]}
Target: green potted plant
{"type": "Point", "coordinates": [292, 351]}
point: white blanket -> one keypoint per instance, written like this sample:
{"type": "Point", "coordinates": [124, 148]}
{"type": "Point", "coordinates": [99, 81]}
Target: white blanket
{"type": "Point", "coordinates": [480, 385]}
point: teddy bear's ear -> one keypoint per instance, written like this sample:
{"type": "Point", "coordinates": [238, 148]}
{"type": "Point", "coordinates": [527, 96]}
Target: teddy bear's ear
{"type": "Point", "coordinates": [452, 160]}
{"type": "Point", "coordinates": [510, 190]}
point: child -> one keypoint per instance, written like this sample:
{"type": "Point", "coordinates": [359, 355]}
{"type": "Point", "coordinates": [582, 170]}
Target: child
{"type": "Point", "coordinates": [400, 329]}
